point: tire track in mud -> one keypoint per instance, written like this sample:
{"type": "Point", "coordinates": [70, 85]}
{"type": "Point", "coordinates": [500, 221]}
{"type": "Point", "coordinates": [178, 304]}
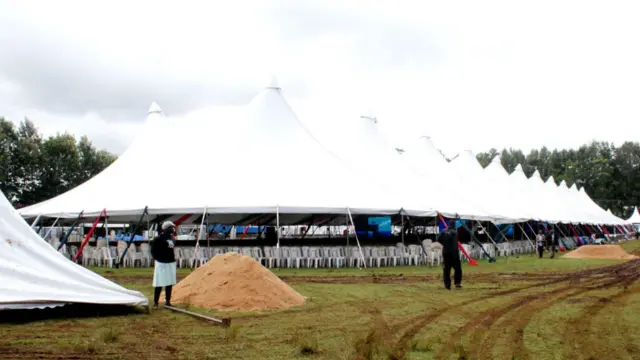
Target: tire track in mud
{"type": "Point", "coordinates": [417, 323]}
{"type": "Point", "coordinates": [583, 321]}
{"type": "Point", "coordinates": [519, 320]}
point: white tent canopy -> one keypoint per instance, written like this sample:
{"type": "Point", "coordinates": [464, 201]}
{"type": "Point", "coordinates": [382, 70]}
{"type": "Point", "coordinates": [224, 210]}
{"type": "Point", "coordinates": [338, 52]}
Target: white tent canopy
{"type": "Point", "coordinates": [428, 162]}
{"type": "Point", "coordinates": [262, 139]}
{"type": "Point", "coordinates": [635, 217]}
{"type": "Point", "coordinates": [486, 189]}
{"type": "Point", "coordinates": [365, 149]}
{"type": "Point", "coordinates": [513, 201]}
{"type": "Point", "coordinates": [35, 275]}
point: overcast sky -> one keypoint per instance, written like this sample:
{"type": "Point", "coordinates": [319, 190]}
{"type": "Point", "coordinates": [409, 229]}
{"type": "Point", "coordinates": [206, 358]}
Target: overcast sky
{"type": "Point", "coordinates": [471, 74]}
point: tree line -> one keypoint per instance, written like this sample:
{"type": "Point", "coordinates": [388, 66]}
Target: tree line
{"type": "Point", "coordinates": [34, 168]}
{"type": "Point", "coordinates": [610, 174]}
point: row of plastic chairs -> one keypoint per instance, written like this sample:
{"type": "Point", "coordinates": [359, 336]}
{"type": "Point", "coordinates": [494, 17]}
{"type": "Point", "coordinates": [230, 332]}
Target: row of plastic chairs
{"type": "Point", "coordinates": [427, 253]}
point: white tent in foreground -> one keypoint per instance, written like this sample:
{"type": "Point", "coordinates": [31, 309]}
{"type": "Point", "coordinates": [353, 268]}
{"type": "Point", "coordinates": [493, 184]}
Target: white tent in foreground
{"type": "Point", "coordinates": [34, 275]}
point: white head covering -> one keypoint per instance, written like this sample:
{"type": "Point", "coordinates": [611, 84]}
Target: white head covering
{"type": "Point", "coordinates": [167, 224]}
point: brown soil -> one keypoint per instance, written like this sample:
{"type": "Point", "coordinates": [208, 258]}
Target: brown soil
{"type": "Point", "coordinates": [600, 252]}
{"type": "Point", "coordinates": [234, 282]}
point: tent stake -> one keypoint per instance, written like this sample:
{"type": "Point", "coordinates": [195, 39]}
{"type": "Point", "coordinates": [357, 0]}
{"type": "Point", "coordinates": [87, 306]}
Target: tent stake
{"type": "Point", "coordinates": [226, 322]}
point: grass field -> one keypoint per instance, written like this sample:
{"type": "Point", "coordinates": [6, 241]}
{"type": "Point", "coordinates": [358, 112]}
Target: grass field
{"type": "Point", "coordinates": [517, 308]}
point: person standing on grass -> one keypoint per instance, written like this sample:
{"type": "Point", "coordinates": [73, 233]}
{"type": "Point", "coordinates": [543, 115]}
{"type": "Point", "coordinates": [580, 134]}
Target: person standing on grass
{"type": "Point", "coordinates": [164, 273]}
{"type": "Point", "coordinates": [451, 255]}
{"type": "Point", "coordinates": [553, 242]}
{"type": "Point", "coordinates": [540, 243]}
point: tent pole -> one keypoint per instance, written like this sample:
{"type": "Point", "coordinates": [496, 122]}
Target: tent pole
{"type": "Point", "coordinates": [525, 235]}
{"type": "Point", "coordinates": [88, 236]}
{"type": "Point", "coordinates": [415, 232]}
{"type": "Point", "coordinates": [278, 226]}
{"type": "Point", "coordinates": [198, 234]}
{"type": "Point", "coordinates": [346, 215]}
{"type": "Point", "coordinates": [35, 222]}
{"type": "Point", "coordinates": [51, 228]}
{"type": "Point", "coordinates": [487, 232]}
{"type": "Point", "coordinates": [133, 232]}
{"type": "Point", "coordinates": [491, 259]}
{"type": "Point", "coordinates": [106, 231]}
{"type": "Point", "coordinates": [357, 240]}
{"type": "Point", "coordinates": [402, 227]}
{"type": "Point", "coordinates": [206, 231]}
{"type": "Point", "coordinates": [73, 226]}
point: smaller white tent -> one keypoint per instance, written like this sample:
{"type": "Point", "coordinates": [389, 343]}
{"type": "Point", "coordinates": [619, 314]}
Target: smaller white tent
{"type": "Point", "coordinates": [34, 275]}
{"type": "Point", "coordinates": [635, 217]}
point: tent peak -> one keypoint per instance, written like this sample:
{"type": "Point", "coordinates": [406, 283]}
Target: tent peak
{"type": "Point", "coordinates": [536, 173]}
{"type": "Point", "coordinates": [373, 119]}
{"type": "Point", "coordinates": [273, 84]}
{"type": "Point", "coordinates": [551, 180]}
{"type": "Point", "coordinates": [155, 109]}
{"type": "Point", "coordinates": [518, 168]}
{"type": "Point", "coordinates": [496, 159]}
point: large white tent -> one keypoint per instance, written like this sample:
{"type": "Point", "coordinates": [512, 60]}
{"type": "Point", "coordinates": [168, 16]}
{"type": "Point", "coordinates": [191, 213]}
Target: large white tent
{"type": "Point", "coordinates": [364, 148]}
{"type": "Point", "coordinates": [635, 217]}
{"type": "Point", "coordinates": [487, 187]}
{"type": "Point", "coordinates": [263, 138]}
{"type": "Point", "coordinates": [35, 275]}
{"type": "Point", "coordinates": [423, 157]}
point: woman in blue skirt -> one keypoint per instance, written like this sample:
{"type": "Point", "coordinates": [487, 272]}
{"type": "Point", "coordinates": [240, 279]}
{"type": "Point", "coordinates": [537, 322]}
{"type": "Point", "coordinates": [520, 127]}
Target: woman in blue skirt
{"type": "Point", "coordinates": [164, 274]}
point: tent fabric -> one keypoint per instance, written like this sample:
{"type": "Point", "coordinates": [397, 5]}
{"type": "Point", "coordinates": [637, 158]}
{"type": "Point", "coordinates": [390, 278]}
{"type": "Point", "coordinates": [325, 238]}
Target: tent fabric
{"type": "Point", "coordinates": [428, 163]}
{"type": "Point", "coordinates": [364, 148]}
{"type": "Point", "coordinates": [488, 188]}
{"type": "Point", "coordinates": [35, 275]}
{"type": "Point", "coordinates": [270, 136]}
{"type": "Point", "coordinates": [635, 217]}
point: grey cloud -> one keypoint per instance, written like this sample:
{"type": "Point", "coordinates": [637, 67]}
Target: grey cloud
{"type": "Point", "coordinates": [379, 43]}
{"type": "Point", "coordinates": [61, 77]}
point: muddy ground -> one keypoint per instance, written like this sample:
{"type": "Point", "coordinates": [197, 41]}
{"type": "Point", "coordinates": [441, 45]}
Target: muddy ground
{"type": "Point", "coordinates": [495, 325]}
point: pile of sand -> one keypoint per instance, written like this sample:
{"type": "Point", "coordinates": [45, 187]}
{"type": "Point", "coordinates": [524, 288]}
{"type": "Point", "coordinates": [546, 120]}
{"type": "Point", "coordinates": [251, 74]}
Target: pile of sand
{"type": "Point", "coordinates": [600, 252]}
{"type": "Point", "coordinates": [235, 282]}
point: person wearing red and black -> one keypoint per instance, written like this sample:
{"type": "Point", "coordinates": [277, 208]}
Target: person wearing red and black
{"type": "Point", "coordinates": [451, 255]}
{"type": "Point", "coordinates": [164, 274]}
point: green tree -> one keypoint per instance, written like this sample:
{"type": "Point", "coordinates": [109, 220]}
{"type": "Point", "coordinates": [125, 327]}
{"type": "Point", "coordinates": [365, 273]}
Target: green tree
{"type": "Point", "coordinates": [8, 143]}
{"type": "Point", "coordinates": [484, 158]}
{"type": "Point", "coordinates": [92, 161]}
{"type": "Point", "coordinates": [511, 158]}
{"type": "Point", "coordinates": [61, 169]}
{"type": "Point", "coordinates": [27, 156]}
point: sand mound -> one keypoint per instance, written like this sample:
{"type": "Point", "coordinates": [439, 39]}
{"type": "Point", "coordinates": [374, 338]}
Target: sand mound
{"type": "Point", "coordinates": [235, 282]}
{"type": "Point", "coordinates": [600, 252]}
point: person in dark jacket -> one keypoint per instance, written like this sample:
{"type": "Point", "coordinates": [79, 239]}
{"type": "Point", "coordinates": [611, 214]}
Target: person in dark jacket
{"type": "Point", "coordinates": [553, 242]}
{"type": "Point", "coordinates": [451, 255]}
{"type": "Point", "coordinates": [164, 274]}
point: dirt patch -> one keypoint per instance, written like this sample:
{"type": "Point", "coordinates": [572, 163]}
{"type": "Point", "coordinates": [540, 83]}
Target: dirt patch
{"type": "Point", "coordinates": [234, 282]}
{"type": "Point", "coordinates": [600, 252]}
